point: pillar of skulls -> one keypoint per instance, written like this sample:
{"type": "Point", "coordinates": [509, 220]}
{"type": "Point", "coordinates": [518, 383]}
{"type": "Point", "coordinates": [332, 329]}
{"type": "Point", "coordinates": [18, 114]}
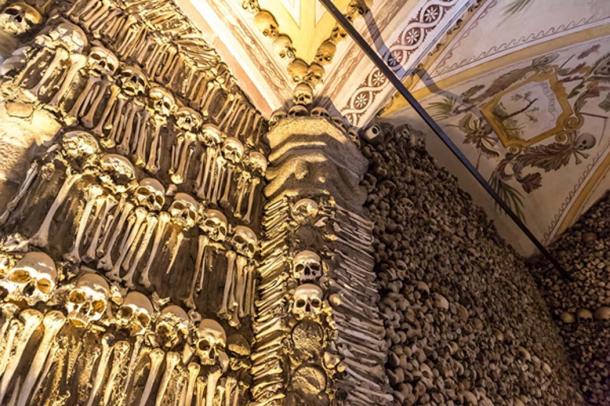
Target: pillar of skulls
{"type": "Point", "coordinates": [147, 253]}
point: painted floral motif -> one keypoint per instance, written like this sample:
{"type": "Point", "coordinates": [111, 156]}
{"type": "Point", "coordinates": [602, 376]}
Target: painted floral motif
{"type": "Point", "coordinates": [529, 121]}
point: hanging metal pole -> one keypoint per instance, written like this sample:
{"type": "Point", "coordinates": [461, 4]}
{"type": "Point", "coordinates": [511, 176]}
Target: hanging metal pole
{"type": "Point", "coordinates": [389, 74]}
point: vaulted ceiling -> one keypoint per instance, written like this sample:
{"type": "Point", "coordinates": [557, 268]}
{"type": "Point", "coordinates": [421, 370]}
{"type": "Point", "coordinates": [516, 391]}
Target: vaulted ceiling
{"type": "Point", "coordinates": [522, 86]}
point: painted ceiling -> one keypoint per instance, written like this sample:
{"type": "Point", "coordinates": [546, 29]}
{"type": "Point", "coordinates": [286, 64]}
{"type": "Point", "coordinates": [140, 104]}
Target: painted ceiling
{"type": "Point", "coordinates": [520, 85]}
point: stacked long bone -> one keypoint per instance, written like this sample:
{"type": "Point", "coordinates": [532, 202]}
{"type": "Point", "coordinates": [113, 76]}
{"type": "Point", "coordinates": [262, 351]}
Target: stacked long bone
{"type": "Point", "coordinates": [100, 345]}
{"type": "Point", "coordinates": [125, 225]}
{"type": "Point", "coordinates": [317, 332]}
{"type": "Point", "coordinates": [137, 120]}
{"type": "Point", "coordinates": [172, 52]}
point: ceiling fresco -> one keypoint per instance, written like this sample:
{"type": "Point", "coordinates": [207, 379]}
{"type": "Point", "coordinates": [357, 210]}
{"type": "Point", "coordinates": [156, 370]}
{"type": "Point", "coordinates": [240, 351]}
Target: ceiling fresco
{"type": "Point", "coordinates": [529, 105]}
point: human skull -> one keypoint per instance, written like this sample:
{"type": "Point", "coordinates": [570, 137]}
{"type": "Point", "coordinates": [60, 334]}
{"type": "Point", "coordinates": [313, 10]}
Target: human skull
{"type": "Point", "coordinates": [163, 101]}
{"type": "Point", "coordinates": [239, 350]}
{"type": "Point", "coordinates": [338, 33]}
{"type": "Point", "coordinates": [188, 119]}
{"type": "Point", "coordinates": [276, 117]}
{"type": "Point", "coordinates": [79, 144]}
{"type": "Point", "coordinates": [298, 69]}
{"type": "Point", "coordinates": [117, 172]}
{"type": "Point", "coordinates": [307, 266]}
{"type": "Point", "coordinates": [210, 135]}
{"type": "Point", "coordinates": [283, 46]}
{"type": "Point", "coordinates": [266, 23]}
{"type": "Point", "coordinates": [303, 94]}
{"type": "Point", "coordinates": [298, 110]}
{"type": "Point", "coordinates": [88, 300]}
{"type": "Point", "coordinates": [307, 301]}
{"type": "Point", "coordinates": [33, 278]}
{"type": "Point", "coordinates": [211, 340]}
{"type": "Point", "coordinates": [303, 210]}
{"type": "Point", "coordinates": [135, 313]}
{"type": "Point", "coordinates": [102, 62]}
{"type": "Point", "coordinates": [326, 52]}
{"type": "Point", "coordinates": [245, 241]}
{"type": "Point", "coordinates": [339, 123]}
{"type": "Point", "coordinates": [356, 7]}
{"type": "Point", "coordinates": [19, 18]}
{"type": "Point", "coordinates": [585, 141]}
{"type": "Point", "coordinates": [150, 194]}
{"type": "Point", "coordinates": [315, 73]}
{"type": "Point", "coordinates": [215, 225]}
{"type": "Point", "coordinates": [233, 150]}
{"type": "Point", "coordinates": [257, 163]}
{"type": "Point", "coordinates": [172, 326]}
{"type": "Point", "coordinates": [184, 210]}
{"type": "Point", "coordinates": [133, 81]}
{"type": "Point", "coordinates": [70, 36]}
{"type": "Point", "coordinates": [320, 112]}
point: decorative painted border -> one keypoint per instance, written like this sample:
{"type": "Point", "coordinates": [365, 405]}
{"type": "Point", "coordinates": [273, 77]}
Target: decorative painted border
{"type": "Point", "coordinates": [441, 69]}
{"type": "Point", "coordinates": [409, 40]}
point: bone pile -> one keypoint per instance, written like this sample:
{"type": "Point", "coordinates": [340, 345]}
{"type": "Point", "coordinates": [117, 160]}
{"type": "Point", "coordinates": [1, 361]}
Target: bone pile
{"type": "Point", "coordinates": [95, 208]}
{"type": "Point", "coordinates": [102, 347]}
{"type": "Point", "coordinates": [582, 306]}
{"type": "Point", "coordinates": [465, 323]}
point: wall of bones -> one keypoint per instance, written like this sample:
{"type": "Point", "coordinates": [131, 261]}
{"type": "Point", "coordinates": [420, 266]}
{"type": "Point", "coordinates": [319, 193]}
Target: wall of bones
{"type": "Point", "coordinates": [464, 320]}
{"type": "Point", "coordinates": [163, 243]}
{"type": "Point", "coordinates": [130, 249]}
{"type": "Point", "coordinates": [149, 256]}
{"type": "Point", "coordinates": [582, 306]}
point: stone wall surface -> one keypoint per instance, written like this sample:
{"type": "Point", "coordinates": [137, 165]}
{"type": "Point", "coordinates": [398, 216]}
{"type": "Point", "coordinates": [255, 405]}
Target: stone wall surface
{"type": "Point", "coordinates": [582, 306]}
{"type": "Point", "coordinates": [465, 323]}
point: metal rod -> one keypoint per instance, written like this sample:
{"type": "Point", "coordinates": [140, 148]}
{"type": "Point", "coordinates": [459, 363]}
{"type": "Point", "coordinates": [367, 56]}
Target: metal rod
{"type": "Point", "coordinates": [389, 74]}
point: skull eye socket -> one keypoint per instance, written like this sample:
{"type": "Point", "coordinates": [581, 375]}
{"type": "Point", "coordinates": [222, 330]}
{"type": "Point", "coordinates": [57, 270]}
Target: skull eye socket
{"type": "Point", "coordinates": [76, 296]}
{"type": "Point", "coordinates": [204, 345]}
{"type": "Point", "coordinates": [125, 312]}
{"type": "Point", "coordinates": [99, 306]}
{"type": "Point", "coordinates": [315, 302]}
{"type": "Point", "coordinates": [300, 303]}
{"type": "Point", "coordinates": [19, 276]}
{"type": "Point", "coordinates": [44, 285]}
{"type": "Point", "coordinates": [163, 329]}
{"type": "Point", "coordinates": [143, 319]}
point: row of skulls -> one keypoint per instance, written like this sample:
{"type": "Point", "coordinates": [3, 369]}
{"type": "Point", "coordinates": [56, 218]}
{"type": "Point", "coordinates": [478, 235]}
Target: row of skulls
{"type": "Point", "coordinates": [89, 300]}
{"type": "Point", "coordinates": [103, 63]}
{"type": "Point", "coordinates": [118, 175]}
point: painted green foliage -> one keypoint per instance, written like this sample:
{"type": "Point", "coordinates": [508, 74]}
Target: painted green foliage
{"type": "Point", "coordinates": [516, 6]}
{"type": "Point", "coordinates": [518, 170]}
